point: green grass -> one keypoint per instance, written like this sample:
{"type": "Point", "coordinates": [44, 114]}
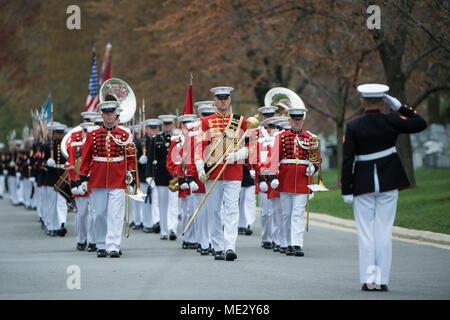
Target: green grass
{"type": "Point", "coordinates": [425, 207]}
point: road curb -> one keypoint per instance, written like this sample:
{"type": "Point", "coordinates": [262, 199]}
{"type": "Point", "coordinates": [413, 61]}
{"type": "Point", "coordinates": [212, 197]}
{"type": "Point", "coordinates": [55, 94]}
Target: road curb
{"type": "Point", "coordinates": [398, 232]}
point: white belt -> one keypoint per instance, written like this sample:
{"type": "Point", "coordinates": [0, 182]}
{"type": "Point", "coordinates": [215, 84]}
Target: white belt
{"type": "Point", "coordinates": [375, 155]}
{"type": "Point", "coordinates": [108, 159]}
{"type": "Point", "coordinates": [294, 161]}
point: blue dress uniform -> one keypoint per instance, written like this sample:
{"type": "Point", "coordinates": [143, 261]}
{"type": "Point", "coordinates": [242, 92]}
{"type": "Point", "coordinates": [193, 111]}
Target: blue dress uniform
{"type": "Point", "coordinates": [372, 174]}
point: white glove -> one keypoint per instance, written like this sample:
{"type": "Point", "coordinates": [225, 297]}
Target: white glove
{"type": "Point", "coordinates": [193, 186]}
{"type": "Point", "coordinates": [263, 186]}
{"type": "Point", "coordinates": [348, 198]}
{"type": "Point", "coordinates": [275, 183]}
{"type": "Point", "coordinates": [392, 102]}
{"type": "Point", "coordinates": [5, 172]}
{"type": "Point", "coordinates": [252, 174]}
{"type": "Point", "coordinates": [75, 191]}
{"type": "Point", "coordinates": [18, 175]}
{"type": "Point", "coordinates": [128, 178]}
{"type": "Point", "coordinates": [200, 165]}
{"type": "Point", "coordinates": [184, 186]}
{"type": "Point", "coordinates": [310, 170]}
{"type": "Point", "coordinates": [32, 179]}
{"type": "Point", "coordinates": [237, 156]}
{"type": "Point", "coordinates": [51, 163]}
{"type": "Point", "coordinates": [12, 164]}
{"type": "Point", "coordinates": [143, 159]}
{"type": "Point", "coordinates": [80, 190]}
{"type": "Point", "coordinates": [150, 182]}
{"type": "Point", "coordinates": [83, 187]}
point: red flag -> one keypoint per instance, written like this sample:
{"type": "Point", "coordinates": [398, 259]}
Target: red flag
{"type": "Point", "coordinates": [189, 105]}
{"type": "Point", "coordinates": [105, 71]}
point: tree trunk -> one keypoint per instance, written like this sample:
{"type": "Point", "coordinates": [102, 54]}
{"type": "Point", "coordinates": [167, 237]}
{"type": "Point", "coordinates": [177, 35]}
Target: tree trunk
{"type": "Point", "coordinates": [340, 148]}
{"type": "Point", "coordinates": [433, 109]}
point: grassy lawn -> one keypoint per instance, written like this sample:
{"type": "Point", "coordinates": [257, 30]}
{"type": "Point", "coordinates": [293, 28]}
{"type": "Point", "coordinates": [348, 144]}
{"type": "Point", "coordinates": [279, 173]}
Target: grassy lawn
{"type": "Point", "coordinates": [425, 207]}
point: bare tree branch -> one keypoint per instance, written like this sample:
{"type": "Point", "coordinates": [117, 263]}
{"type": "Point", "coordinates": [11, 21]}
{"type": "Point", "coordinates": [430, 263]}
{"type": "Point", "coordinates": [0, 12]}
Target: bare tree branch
{"type": "Point", "coordinates": [409, 68]}
{"type": "Point", "coordinates": [428, 92]}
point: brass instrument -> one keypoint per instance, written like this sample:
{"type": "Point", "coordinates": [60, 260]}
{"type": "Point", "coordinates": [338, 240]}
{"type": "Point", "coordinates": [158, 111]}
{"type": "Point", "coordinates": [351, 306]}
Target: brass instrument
{"type": "Point", "coordinates": [174, 186]}
{"type": "Point", "coordinates": [252, 123]}
{"type": "Point", "coordinates": [123, 93]}
{"type": "Point", "coordinates": [314, 157]}
{"type": "Point", "coordinates": [284, 99]}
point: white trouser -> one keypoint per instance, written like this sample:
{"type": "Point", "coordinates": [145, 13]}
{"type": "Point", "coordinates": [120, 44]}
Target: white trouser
{"type": "Point", "coordinates": [168, 209]}
{"type": "Point", "coordinates": [146, 208]}
{"type": "Point", "coordinates": [247, 207]}
{"type": "Point", "coordinates": [84, 221]}
{"type": "Point", "coordinates": [61, 208]}
{"type": "Point", "coordinates": [20, 196]}
{"type": "Point", "coordinates": [27, 188]}
{"type": "Point", "coordinates": [201, 220]}
{"type": "Point", "coordinates": [266, 220]}
{"type": "Point", "coordinates": [277, 221]}
{"type": "Point", "coordinates": [293, 208]}
{"type": "Point", "coordinates": [39, 191]}
{"type": "Point", "coordinates": [223, 230]}
{"type": "Point", "coordinates": [108, 206]}
{"type": "Point", "coordinates": [33, 202]}
{"type": "Point", "coordinates": [51, 219]}
{"type": "Point", "coordinates": [12, 188]}
{"type": "Point", "coordinates": [374, 217]}
{"type": "Point", "coordinates": [155, 206]}
{"type": "Point", "coordinates": [186, 214]}
{"type": "Point", "coordinates": [2, 185]}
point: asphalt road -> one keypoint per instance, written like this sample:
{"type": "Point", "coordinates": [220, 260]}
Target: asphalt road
{"type": "Point", "coordinates": [35, 266]}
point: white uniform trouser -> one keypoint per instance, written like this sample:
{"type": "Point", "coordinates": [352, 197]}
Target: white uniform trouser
{"type": "Point", "coordinates": [266, 220]}
{"type": "Point", "coordinates": [145, 208]}
{"type": "Point", "coordinates": [374, 217]}
{"type": "Point", "coordinates": [84, 221]}
{"type": "Point", "coordinates": [27, 187]}
{"type": "Point", "coordinates": [278, 232]}
{"type": "Point", "coordinates": [2, 185]}
{"type": "Point", "coordinates": [186, 214]}
{"type": "Point", "coordinates": [155, 206]}
{"type": "Point", "coordinates": [20, 196]}
{"type": "Point", "coordinates": [61, 208]}
{"type": "Point", "coordinates": [33, 202]}
{"type": "Point", "coordinates": [50, 213]}
{"type": "Point", "coordinates": [247, 207]}
{"type": "Point", "coordinates": [39, 192]}
{"type": "Point", "coordinates": [108, 206]}
{"type": "Point", "coordinates": [201, 220]}
{"type": "Point", "coordinates": [226, 192]}
{"type": "Point", "coordinates": [12, 188]}
{"type": "Point", "coordinates": [168, 209]}
{"type": "Point", "coordinates": [293, 208]}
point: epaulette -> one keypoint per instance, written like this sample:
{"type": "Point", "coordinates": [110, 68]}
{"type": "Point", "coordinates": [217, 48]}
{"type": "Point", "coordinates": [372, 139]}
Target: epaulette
{"type": "Point", "coordinates": [92, 128]}
{"type": "Point", "coordinates": [127, 130]}
{"type": "Point", "coordinates": [77, 129]}
{"type": "Point", "coordinates": [311, 134]}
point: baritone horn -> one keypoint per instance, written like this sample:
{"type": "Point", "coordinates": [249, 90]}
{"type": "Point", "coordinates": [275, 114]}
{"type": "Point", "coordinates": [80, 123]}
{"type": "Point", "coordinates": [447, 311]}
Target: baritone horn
{"type": "Point", "coordinates": [314, 157]}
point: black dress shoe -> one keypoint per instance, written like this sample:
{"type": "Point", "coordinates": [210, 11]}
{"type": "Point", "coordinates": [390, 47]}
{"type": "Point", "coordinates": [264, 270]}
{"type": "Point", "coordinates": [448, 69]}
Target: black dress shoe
{"type": "Point", "coordinates": [298, 251]}
{"type": "Point", "coordinates": [81, 246]}
{"type": "Point", "coordinates": [276, 248]}
{"type": "Point", "coordinates": [241, 231]}
{"type": "Point", "coordinates": [101, 253]}
{"type": "Point", "coordinates": [61, 232]}
{"type": "Point", "coordinates": [248, 231]}
{"type": "Point", "coordinates": [383, 287]}
{"type": "Point", "coordinates": [193, 245]}
{"type": "Point", "coordinates": [147, 230]}
{"type": "Point", "coordinates": [283, 250]}
{"type": "Point", "coordinates": [290, 251]}
{"type": "Point", "coordinates": [91, 247]}
{"type": "Point", "coordinates": [114, 254]}
{"type": "Point", "coordinates": [369, 287]}
{"type": "Point", "coordinates": [185, 245]}
{"type": "Point", "coordinates": [267, 245]}
{"type": "Point", "coordinates": [164, 237]}
{"type": "Point", "coordinates": [172, 236]}
{"type": "Point", "coordinates": [219, 255]}
{"type": "Point", "coordinates": [204, 252]}
{"type": "Point", "coordinates": [156, 228]}
{"type": "Point", "coordinates": [231, 255]}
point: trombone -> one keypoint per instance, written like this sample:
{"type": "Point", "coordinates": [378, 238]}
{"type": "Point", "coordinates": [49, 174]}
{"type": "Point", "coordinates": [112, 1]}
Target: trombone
{"type": "Point", "coordinates": [314, 156]}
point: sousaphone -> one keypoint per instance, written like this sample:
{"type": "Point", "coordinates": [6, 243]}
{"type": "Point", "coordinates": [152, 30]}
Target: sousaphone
{"type": "Point", "coordinates": [284, 99]}
{"type": "Point", "coordinates": [123, 93]}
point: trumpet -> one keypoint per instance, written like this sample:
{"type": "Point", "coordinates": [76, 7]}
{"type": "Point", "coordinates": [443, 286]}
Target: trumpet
{"type": "Point", "coordinates": [314, 156]}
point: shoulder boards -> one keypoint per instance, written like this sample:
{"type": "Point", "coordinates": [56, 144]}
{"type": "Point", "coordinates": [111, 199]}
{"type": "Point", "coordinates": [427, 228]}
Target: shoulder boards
{"type": "Point", "coordinates": [93, 128]}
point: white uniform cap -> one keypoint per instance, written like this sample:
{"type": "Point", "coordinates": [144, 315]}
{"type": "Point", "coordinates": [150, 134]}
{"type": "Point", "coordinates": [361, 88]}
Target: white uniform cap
{"type": "Point", "coordinates": [187, 118]}
{"type": "Point", "coordinates": [372, 90]}
{"type": "Point", "coordinates": [89, 115]}
{"type": "Point", "coordinates": [268, 109]}
{"type": "Point", "coordinates": [297, 113]}
{"type": "Point", "coordinates": [109, 105]}
{"type": "Point", "coordinates": [207, 109]}
{"type": "Point", "coordinates": [167, 118]}
{"type": "Point", "coordinates": [221, 91]}
{"type": "Point", "coordinates": [153, 122]}
{"type": "Point", "coordinates": [204, 103]}
{"type": "Point", "coordinates": [268, 121]}
{"type": "Point", "coordinates": [85, 125]}
{"type": "Point", "coordinates": [97, 120]}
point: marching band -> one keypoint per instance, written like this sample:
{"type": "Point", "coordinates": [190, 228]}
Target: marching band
{"type": "Point", "coordinates": [209, 170]}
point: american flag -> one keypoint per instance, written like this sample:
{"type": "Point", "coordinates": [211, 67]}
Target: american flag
{"type": "Point", "coordinates": [92, 98]}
